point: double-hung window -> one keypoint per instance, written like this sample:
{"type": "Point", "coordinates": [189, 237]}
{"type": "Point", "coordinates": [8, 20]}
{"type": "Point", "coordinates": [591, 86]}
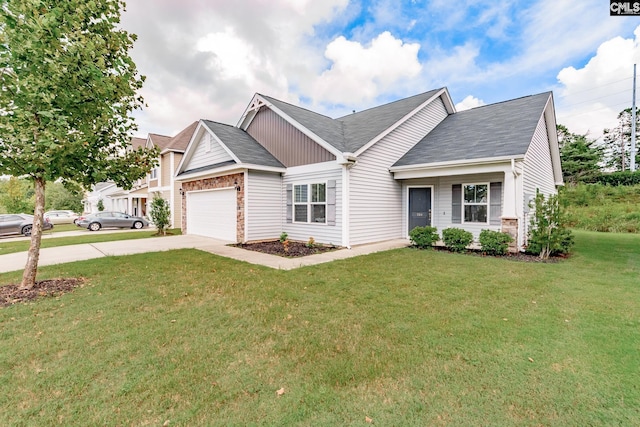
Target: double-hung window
{"type": "Point", "coordinates": [154, 173]}
{"type": "Point", "coordinates": [475, 202]}
{"type": "Point", "coordinates": [310, 203]}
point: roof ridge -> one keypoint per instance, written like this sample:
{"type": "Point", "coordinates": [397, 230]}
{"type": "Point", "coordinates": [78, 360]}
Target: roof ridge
{"type": "Point", "coordinates": [389, 103]}
{"type": "Point", "coordinates": [504, 102]}
{"type": "Point", "coordinates": [295, 106]}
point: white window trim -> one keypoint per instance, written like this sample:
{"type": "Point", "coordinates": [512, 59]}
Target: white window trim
{"type": "Point", "coordinates": [154, 173]}
{"type": "Point", "coordinates": [487, 204]}
{"type": "Point", "coordinates": [308, 203]}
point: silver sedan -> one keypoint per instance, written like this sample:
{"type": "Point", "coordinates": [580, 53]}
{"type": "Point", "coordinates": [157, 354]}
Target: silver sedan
{"type": "Point", "coordinates": [95, 222]}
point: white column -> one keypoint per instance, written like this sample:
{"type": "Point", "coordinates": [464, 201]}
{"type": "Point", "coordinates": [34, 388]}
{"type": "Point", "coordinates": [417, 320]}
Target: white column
{"type": "Point", "coordinates": [509, 209]}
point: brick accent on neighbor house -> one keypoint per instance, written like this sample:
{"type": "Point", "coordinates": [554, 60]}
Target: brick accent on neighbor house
{"type": "Point", "coordinates": [510, 226]}
{"type": "Point", "coordinates": [225, 181]}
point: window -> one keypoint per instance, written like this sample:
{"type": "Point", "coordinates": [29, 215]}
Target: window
{"type": "Point", "coordinates": [475, 202]}
{"type": "Point", "coordinates": [154, 173]}
{"type": "Point", "coordinates": [310, 203]}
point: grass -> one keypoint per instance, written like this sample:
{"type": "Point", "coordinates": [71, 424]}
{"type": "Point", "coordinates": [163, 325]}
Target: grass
{"type": "Point", "coordinates": [12, 246]}
{"type": "Point", "coordinates": [596, 207]}
{"type": "Point", "coordinates": [404, 337]}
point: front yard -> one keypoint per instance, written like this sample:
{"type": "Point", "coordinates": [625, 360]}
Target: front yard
{"type": "Point", "coordinates": [404, 337]}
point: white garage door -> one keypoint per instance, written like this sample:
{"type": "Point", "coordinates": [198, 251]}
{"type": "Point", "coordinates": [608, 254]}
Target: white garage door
{"type": "Point", "coordinates": [212, 214]}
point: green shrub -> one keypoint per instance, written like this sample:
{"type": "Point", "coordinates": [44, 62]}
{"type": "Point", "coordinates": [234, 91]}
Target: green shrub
{"type": "Point", "coordinates": [283, 237]}
{"type": "Point", "coordinates": [494, 242]}
{"type": "Point", "coordinates": [424, 237]}
{"type": "Point", "coordinates": [160, 213]}
{"type": "Point", "coordinates": [548, 234]}
{"type": "Point", "coordinates": [456, 239]}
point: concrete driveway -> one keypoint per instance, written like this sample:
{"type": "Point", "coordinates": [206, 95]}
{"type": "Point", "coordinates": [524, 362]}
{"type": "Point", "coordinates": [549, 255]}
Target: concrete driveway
{"type": "Point", "coordinates": [63, 254]}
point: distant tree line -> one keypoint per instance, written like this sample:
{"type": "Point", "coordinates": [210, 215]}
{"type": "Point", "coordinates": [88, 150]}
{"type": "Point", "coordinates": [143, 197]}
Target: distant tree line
{"type": "Point", "coordinates": [607, 161]}
{"type": "Point", "coordinates": [18, 196]}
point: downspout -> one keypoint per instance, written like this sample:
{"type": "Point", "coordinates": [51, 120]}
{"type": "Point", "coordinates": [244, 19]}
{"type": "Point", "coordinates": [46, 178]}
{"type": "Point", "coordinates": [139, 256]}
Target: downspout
{"type": "Point", "coordinates": [515, 199]}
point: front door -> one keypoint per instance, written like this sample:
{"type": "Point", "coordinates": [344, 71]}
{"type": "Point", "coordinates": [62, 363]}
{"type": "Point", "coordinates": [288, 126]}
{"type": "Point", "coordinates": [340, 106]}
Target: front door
{"type": "Point", "coordinates": [419, 207]}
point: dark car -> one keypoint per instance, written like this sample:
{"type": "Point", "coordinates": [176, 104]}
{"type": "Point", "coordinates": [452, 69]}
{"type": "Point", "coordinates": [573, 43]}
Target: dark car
{"type": "Point", "coordinates": [19, 224]}
{"type": "Point", "coordinates": [95, 222]}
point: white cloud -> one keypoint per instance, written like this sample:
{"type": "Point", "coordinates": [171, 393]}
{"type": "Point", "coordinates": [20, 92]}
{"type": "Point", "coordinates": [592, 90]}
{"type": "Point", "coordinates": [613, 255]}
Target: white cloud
{"type": "Point", "coordinates": [592, 96]}
{"type": "Point", "coordinates": [468, 103]}
{"type": "Point", "coordinates": [359, 73]}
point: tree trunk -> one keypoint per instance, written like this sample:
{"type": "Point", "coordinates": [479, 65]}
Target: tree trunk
{"type": "Point", "coordinates": [31, 268]}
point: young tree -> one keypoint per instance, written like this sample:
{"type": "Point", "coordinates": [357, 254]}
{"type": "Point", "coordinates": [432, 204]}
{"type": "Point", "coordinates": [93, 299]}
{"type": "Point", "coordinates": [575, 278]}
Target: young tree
{"type": "Point", "coordinates": [160, 213]}
{"type": "Point", "coordinates": [16, 196]}
{"type": "Point", "coordinates": [581, 157]}
{"type": "Point", "coordinates": [617, 142]}
{"type": "Point", "coordinates": [67, 90]}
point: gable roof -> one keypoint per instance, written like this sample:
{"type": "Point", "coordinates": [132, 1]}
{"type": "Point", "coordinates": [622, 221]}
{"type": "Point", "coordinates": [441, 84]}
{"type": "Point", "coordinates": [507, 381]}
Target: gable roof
{"type": "Point", "coordinates": [504, 129]}
{"type": "Point", "coordinates": [138, 142]}
{"type": "Point", "coordinates": [160, 141]}
{"type": "Point", "coordinates": [242, 145]}
{"type": "Point", "coordinates": [179, 142]}
{"type": "Point", "coordinates": [363, 126]}
{"type": "Point", "coordinates": [352, 132]}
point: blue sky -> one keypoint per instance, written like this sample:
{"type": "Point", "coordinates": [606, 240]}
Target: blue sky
{"type": "Point", "coordinates": [205, 59]}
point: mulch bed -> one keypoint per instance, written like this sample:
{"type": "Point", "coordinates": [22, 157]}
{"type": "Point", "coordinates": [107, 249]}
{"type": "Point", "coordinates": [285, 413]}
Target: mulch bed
{"type": "Point", "coordinates": [295, 249]}
{"type": "Point", "coordinates": [11, 294]}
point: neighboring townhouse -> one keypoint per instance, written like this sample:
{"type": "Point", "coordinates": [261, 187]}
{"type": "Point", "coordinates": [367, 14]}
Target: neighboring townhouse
{"type": "Point", "coordinates": [161, 179]}
{"type": "Point", "coordinates": [371, 175]}
{"type": "Point", "coordinates": [114, 198]}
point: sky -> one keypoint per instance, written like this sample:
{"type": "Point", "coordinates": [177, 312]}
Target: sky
{"type": "Point", "coordinates": [205, 59]}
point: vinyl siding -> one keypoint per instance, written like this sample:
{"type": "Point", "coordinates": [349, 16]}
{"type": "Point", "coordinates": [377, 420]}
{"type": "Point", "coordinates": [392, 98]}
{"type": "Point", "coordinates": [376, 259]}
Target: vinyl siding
{"type": "Point", "coordinates": [176, 203]}
{"type": "Point", "coordinates": [538, 169]}
{"type": "Point", "coordinates": [264, 206]}
{"type": "Point", "coordinates": [287, 144]}
{"type": "Point", "coordinates": [375, 196]}
{"type": "Point", "coordinates": [202, 158]}
{"type": "Point", "coordinates": [165, 170]}
{"type": "Point", "coordinates": [322, 233]}
{"type": "Point", "coordinates": [441, 209]}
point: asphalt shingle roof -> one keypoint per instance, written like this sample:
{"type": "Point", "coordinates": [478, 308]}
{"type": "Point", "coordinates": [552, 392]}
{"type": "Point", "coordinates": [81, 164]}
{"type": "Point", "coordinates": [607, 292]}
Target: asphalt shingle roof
{"type": "Point", "coordinates": [495, 130]}
{"type": "Point", "coordinates": [181, 140]}
{"type": "Point", "coordinates": [353, 131]}
{"type": "Point", "coordinates": [247, 149]}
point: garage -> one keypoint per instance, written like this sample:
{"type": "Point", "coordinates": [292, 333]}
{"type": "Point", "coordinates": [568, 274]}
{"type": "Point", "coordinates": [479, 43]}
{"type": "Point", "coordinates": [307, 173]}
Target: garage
{"type": "Point", "coordinates": [212, 213]}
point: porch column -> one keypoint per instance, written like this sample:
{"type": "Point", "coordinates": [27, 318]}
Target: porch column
{"type": "Point", "coordinates": [510, 219]}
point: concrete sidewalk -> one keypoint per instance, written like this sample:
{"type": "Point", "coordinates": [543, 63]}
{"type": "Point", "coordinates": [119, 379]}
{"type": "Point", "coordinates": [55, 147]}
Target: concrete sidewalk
{"type": "Point", "coordinates": [64, 254]}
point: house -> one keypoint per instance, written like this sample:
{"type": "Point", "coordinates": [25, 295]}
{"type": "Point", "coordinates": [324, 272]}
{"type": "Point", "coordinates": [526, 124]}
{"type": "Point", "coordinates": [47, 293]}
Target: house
{"type": "Point", "coordinates": [161, 179]}
{"type": "Point", "coordinates": [114, 198]}
{"type": "Point", "coordinates": [371, 175]}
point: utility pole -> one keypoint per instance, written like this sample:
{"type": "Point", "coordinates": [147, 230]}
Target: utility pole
{"type": "Point", "coordinates": [632, 166]}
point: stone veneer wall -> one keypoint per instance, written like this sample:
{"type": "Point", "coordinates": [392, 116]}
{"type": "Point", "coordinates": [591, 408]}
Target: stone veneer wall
{"type": "Point", "coordinates": [510, 226]}
{"type": "Point", "coordinates": [225, 181]}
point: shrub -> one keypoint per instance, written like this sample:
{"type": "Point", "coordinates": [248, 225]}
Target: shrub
{"type": "Point", "coordinates": [548, 234]}
{"type": "Point", "coordinates": [456, 239]}
{"type": "Point", "coordinates": [100, 205]}
{"type": "Point", "coordinates": [283, 237]}
{"type": "Point", "coordinates": [424, 237]}
{"type": "Point", "coordinates": [160, 213]}
{"type": "Point", "coordinates": [311, 243]}
{"type": "Point", "coordinates": [494, 242]}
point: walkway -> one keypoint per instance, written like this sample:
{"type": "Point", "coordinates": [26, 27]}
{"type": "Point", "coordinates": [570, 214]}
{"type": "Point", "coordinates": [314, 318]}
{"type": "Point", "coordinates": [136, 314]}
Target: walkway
{"type": "Point", "coordinates": [63, 254]}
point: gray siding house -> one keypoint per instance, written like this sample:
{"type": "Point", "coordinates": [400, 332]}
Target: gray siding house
{"type": "Point", "coordinates": [372, 175]}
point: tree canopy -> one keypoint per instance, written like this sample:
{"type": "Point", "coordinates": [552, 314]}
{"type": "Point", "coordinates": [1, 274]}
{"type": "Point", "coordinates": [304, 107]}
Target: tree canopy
{"type": "Point", "coordinates": [581, 157]}
{"type": "Point", "coordinates": [617, 142]}
{"type": "Point", "coordinates": [67, 91]}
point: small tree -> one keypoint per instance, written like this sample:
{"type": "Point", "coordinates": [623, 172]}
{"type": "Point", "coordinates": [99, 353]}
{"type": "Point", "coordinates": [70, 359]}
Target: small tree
{"type": "Point", "coordinates": [67, 91]}
{"type": "Point", "coordinates": [100, 205]}
{"type": "Point", "coordinates": [548, 234]}
{"type": "Point", "coordinates": [160, 213]}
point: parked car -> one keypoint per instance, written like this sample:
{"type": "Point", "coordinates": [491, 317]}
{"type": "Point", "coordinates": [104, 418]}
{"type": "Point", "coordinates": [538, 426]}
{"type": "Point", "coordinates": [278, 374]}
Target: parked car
{"type": "Point", "coordinates": [95, 222]}
{"type": "Point", "coordinates": [61, 217]}
{"type": "Point", "coordinates": [19, 224]}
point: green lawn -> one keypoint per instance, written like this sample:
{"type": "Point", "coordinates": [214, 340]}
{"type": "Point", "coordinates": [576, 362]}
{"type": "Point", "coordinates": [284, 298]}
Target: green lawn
{"type": "Point", "coordinates": [404, 337]}
{"type": "Point", "coordinates": [10, 246]}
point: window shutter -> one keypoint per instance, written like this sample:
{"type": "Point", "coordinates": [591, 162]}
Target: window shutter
{"type": "Point", "coordinates": [495, 210]}
{"type": "Point", "coordinates": [456, 203]}
{"type": "Point", "coordinates": [331, 202]}
{"type": "Point", "coordinates": [289, 203]}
